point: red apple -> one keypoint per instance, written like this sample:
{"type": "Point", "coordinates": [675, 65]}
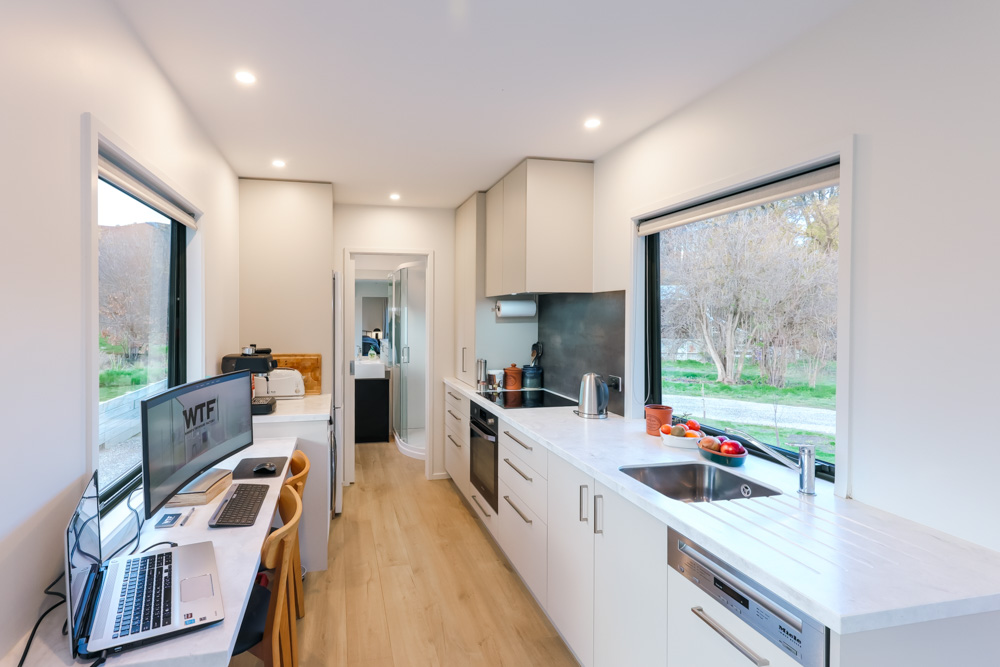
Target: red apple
{"type": "Point", "coordinates": [731, 448]}
{"type": "Point", "coordinates": [721, 438]}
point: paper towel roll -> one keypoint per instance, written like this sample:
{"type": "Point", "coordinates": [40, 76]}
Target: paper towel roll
{"type": "Point", "coordinates": [516, 309]}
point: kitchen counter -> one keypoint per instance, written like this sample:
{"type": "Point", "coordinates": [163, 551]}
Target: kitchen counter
{"type": "Point", "coordinates": [313, 407]}
{"type": "Point", "coordinates": [851, 566]}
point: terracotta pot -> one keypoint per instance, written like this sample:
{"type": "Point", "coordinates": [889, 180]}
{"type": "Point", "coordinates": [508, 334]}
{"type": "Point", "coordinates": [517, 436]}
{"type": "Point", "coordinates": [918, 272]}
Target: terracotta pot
{"type": "Point", "coordinates": [656, 417]}
{"type": "Point", "coordinates": [512, 377]}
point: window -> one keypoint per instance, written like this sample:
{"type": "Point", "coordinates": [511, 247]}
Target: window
{"type": "Point", "coordinates": [742, 313]}
{"type": "Point", "coordinates": [141, 297]}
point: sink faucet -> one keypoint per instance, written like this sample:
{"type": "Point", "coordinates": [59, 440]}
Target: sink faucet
{"type": "Point", "coordinates": [806, 467]}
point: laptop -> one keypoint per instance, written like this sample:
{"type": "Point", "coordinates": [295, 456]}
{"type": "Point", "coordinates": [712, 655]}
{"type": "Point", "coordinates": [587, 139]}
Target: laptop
{"type": "Point", "coordinates": [129, 601]}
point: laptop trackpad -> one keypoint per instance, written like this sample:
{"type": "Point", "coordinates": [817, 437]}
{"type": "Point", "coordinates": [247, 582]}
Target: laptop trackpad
{"type": "Point", "coordinates": [196, 588]}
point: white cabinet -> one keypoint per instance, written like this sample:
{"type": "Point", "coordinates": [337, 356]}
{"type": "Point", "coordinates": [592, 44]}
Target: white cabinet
{"type": "Point", "coordinates": [696, 624]}
{"type": "Point", "coordinates": [630, 583]}
{"type": "Point", "coordinates": [456, 441]}
{"type": "Point", "coordinates": [470, 226]}
{"type": "Point", "coordinates": [570, 601]}
{"type": "Point", "coordinates": [539, 229]}
{"type": "Point", "coordinates": [523, 536]}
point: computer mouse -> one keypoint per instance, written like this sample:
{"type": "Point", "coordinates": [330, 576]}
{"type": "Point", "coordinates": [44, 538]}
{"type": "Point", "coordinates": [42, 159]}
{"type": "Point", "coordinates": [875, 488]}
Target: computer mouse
{"type": "Point", "coordinates": [266, 468]}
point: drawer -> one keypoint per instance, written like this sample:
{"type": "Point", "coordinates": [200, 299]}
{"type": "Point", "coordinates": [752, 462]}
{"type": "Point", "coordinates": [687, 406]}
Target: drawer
{"type": "Point", "coordinates": [524, 481]}
{"type": "Point", "coordinates": [456, 420]}
{"type": "Point", "coordinates": [481, 508]}
{"type": "Point", "coordinates": [456, 460]}
{"type": "Point", "coordinates": [462, 437]}
{"type": "Point", "coordinates": [527, 449]}
{"type": "Point", "coordinates": [523, 539]}
{"type": "Point", "coordinates": [453, 399]}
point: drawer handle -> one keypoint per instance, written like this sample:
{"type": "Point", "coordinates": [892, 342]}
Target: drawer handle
{"type": "Point", "coordinates": [454, 415]}
{"type": "Point", "coordinates": [519, 512]}
{"type": "Point", "coordinates": [729, 637]}
{"type": "Point", "coordinates": [598, 514]}
{"type": "Point", "coordinates": [584, 490]}
{"type": "Point", "coordinates": [453, 395]}
{"type": "Point", "coordinates": [453, 442]}
{"type": "Point", "coordinates": [507, 433]}
{"type": "Point", "coordinates": [516, 469]}
{"type": "Point", "coordinates": [476, 500]}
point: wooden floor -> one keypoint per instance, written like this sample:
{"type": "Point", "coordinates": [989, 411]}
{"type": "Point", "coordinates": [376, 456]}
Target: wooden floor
{"type": "Point", "coordinates": [414, 580]}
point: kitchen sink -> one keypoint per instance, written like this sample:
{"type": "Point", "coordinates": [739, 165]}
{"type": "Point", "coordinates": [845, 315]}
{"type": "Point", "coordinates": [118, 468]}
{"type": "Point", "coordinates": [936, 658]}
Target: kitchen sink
{"type": "Point", "coordinates": [697, 482]}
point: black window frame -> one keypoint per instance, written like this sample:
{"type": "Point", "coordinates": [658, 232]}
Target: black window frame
{"type": "Point", "coordinates": [654, 362]}
{"type": "Point", "coordinates": [129, 482]}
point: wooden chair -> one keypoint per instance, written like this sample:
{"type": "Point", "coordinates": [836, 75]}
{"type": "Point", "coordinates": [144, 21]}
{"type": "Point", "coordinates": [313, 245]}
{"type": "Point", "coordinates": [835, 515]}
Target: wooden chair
{"type": "Point", "coordinates": [277, 642]}
{"type": "Point", "coordinates": [299, 467]}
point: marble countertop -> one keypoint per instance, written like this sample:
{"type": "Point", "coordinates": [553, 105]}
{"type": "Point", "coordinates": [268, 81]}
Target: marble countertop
{"type": "Point", "coordinates": [312, 407]}
{"type": "Point", "coordinates": [851, 566]}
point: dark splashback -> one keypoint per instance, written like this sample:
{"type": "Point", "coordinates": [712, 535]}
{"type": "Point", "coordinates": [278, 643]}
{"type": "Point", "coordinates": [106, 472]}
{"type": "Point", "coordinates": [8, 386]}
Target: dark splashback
{"type": "Point", "coordinates": [582, 333]}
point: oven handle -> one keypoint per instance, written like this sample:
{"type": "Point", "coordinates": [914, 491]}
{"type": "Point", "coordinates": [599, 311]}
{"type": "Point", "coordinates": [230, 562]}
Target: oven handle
{"type": "Point", "coordinates": [482, 433]}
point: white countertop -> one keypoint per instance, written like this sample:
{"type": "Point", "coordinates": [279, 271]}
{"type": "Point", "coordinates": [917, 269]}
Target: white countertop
{"type": "Point", "coordinates": [313, 407]}
{"type": "Point", "coordinates": [849, 565]}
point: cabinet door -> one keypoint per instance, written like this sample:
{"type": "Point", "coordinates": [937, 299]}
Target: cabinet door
{"type": "Point", "coordinates": [465, 291]}
{"type": "Point", "coordinates": [571, 557]}
{"type": "Point", "coordinates": [630, 584]}
{"type": "Point", "coordinates": [693, 642]}
{"type": "Point", "coordinates": [515, 240]}
{"type": "Point", "coordinates": [494, 240]}
{"type": "Point", "coordinates": [456, 459]}
{"type": "Point", "coordinates": [522, 538]}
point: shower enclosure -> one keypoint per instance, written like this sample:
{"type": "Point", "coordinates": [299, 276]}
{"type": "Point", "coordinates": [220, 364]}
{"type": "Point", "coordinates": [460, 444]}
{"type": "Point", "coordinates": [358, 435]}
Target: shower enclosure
{"type": "Point", "coordinates": [408, 349]}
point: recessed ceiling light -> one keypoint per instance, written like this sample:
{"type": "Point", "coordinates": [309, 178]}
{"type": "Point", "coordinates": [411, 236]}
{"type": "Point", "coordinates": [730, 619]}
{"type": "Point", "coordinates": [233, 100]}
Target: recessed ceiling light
{"type": "Point", "coordinates": [592, 123]}
{"type": "Point", "coordinates": [394, 196]}
{"type": "Point", "coordinates": [278, 163]}
{"type": "Point", "coordinates": [246, 77]}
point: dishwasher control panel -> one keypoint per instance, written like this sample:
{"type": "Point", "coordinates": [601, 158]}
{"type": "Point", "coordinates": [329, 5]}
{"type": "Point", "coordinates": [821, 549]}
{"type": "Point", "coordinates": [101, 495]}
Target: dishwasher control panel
{"type": "Point", "coordinates": [801, 637]}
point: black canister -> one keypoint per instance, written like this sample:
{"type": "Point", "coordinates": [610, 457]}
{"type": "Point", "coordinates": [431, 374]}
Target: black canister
{"type": "Point", "coordinates": [532, 377]}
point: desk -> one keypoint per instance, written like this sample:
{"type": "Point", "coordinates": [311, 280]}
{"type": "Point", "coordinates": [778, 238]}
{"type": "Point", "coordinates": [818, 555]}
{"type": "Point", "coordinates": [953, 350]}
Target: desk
{"type": "Point", "coordinates": [237, 553]}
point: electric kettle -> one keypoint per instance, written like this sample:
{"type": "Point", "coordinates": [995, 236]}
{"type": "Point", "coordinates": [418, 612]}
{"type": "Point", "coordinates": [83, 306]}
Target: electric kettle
{"type": "Point", "coordinates": [593, 397]}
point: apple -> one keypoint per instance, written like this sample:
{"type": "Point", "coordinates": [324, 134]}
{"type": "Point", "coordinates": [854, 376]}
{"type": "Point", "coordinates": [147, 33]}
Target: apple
{"type": "Point", "coordinates": [721, 438]}
{"type": "Point", "coordinates": [693, 425]}
{"type": "Point", "coordinates": [731, 448]}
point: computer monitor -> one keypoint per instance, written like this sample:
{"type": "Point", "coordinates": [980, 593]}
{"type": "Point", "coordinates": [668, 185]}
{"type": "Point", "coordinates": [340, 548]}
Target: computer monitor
{"type": "Point", "coordinates": [188, 429]}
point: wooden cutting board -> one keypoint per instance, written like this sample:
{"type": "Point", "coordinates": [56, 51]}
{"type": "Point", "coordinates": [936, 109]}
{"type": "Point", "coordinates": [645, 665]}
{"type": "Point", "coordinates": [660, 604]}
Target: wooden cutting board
{"type": "Point", "coordinates": [310, 365]}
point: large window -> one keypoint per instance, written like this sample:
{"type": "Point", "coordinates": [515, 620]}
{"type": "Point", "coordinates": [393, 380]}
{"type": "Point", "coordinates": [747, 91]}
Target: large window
{"type": "Point", "coordinates": [141, 319]}
{"type": "Point", "coordinates": [745, 293]}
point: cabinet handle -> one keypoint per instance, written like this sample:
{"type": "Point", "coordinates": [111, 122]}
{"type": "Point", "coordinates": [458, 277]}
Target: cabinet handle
{"type": "Point", "coordinates": [463, 359]}
{"type": "Point", "coordinates": [583, 502]}
{"type": "Point", "coordinates": [454, 396]}
{"type": "Point", "coordinates": [507, 433]}
{"type": "Point", "coordinates": [454, 415]}
{"type": "Point", "coordinates": [598, 515]}
{"type": "Point", "coordinates": [729, 637]}
{"type": "Point", "coordinates": [519, 512]}
{"type": "Point", "coordinates": [453, 442]}
{"type": "Point", "coordinates": [516, 469]}
{"type": "Point", "coordinates": [475, 500]}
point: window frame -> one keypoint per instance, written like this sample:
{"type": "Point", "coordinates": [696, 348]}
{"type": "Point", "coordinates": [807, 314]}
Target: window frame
{"type": "Point", "coordinates": [654, 361]}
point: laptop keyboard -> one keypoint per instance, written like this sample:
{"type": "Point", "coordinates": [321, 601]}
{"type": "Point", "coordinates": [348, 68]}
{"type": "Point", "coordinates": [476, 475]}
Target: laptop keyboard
{"type": "Point", "coordinates": [145, 601]}
{"type": "Point", "coordinates": [243, 506]}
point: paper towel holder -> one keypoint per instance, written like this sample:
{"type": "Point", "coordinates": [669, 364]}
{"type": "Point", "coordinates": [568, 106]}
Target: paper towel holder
{"type": "Point", "coordinates": [512, 308]}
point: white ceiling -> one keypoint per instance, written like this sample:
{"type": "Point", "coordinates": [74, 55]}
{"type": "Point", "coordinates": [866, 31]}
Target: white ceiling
{"type": "Point", "coordinates": [438, 99]}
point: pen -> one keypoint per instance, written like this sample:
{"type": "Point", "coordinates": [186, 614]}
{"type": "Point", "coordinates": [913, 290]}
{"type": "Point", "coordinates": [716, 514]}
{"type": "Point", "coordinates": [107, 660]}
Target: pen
{"type": "Point", "coordinates": [185, 519]}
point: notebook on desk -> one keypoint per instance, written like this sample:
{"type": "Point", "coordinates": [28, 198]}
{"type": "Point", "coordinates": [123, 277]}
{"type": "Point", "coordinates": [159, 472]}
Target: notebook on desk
{"type": "Point", "coordinates": [129, 601]}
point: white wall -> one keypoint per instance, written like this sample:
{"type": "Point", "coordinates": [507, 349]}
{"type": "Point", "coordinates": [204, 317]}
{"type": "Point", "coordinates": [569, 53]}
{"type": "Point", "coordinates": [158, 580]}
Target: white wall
{"type": "Point", "coordinates": [916, 82]}
{"type": "Point", "coordinates": [58, 60]}
{"type": "Point", "coordinates": [286, 288]}
{"type": "Point", "coordinates": [396, 228]}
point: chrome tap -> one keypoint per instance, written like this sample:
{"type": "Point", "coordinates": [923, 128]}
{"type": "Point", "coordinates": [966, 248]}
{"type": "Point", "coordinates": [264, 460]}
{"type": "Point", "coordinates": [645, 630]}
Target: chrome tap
{"type": "Point", "coordinates": [806, 467]}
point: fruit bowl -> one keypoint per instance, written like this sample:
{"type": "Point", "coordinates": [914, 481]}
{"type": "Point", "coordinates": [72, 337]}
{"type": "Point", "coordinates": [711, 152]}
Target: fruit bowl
{"type": "Point", "coordinates": [731, 460]}
{"type": "Point", "coordinates": [679, 443]}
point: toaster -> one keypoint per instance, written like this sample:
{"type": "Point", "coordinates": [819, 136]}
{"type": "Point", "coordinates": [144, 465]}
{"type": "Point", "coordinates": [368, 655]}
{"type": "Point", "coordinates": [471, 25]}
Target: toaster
{"type": "Point", "coordinates": [280, 383]}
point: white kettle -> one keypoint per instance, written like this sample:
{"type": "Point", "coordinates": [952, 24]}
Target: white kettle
{"type": "Point", "coordinates": [593, 397]}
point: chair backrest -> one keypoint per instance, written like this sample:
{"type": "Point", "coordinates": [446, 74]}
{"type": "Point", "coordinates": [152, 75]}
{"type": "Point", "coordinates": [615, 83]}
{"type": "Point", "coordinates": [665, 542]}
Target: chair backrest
{"type": "Point", "coordinates": [299, 467]}
{"type": "Point", "coordinates": [278, 545]}
{"type": "Point", "coordinates": [279, 644]}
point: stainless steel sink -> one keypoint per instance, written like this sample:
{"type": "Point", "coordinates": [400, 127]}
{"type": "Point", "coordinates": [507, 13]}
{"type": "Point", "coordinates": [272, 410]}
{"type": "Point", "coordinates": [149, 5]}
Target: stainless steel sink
{"type": "Point", "coordinates": [697, 482]}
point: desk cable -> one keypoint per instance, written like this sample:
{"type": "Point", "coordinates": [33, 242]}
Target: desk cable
{"type": "Point", "coordinates": [62, 600]}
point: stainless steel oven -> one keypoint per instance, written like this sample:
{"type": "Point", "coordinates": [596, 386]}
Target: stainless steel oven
{"type": "Point", "coordinates": [483, 453]}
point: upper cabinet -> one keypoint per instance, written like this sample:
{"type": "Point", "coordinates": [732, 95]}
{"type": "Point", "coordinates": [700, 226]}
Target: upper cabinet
{"type": "Point", "coordinates": [539, 229]}
{"type": "Point", "coordinates": [470, 223]}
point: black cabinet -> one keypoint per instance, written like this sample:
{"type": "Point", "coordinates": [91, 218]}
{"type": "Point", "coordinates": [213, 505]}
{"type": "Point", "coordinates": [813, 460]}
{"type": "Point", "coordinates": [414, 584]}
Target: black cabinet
{"type": "Point", "coordinates": [371, 410]}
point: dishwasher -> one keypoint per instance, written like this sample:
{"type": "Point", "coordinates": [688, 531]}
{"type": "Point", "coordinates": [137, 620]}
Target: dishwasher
{"type": "Point", "coordinates": [719, 617]}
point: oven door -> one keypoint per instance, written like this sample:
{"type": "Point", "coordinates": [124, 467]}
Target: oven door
{"type": "Point", "coordinates": [483, 464]}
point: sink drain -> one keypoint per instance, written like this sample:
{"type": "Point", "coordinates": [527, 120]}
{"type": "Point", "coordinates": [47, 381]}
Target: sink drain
{"type": "Point", "coordinates": [746, 490]}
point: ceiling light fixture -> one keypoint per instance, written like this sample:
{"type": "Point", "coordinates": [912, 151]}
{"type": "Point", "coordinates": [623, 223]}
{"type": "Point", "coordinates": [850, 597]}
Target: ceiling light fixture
{"type": "Point", "coordinates": [592, 123]}
{"type": "Point", "coordinates": [245, 77]}
{"type": "Point", "coordinates": [394, 196]}
{"type": "Point", "coordinates": [278, 163]}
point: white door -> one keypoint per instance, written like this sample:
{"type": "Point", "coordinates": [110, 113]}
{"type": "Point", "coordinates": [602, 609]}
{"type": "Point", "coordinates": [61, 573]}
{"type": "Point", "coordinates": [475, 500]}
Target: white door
{"type": "Point", "coordinates": [571, 557]}
{"type": "Point", "coordinates": [697, 626]}
{"type": "Point", "coordinates": [630, 584]}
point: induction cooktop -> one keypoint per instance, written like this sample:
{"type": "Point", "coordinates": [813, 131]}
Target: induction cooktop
{"type": "Point", "coordinates": [527, 398]}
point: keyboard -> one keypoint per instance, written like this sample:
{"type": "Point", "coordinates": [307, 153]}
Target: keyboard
{"type": "Point", "coordinates": [145, 600]}
{"type": "Point", "coordinates": [242, 507]}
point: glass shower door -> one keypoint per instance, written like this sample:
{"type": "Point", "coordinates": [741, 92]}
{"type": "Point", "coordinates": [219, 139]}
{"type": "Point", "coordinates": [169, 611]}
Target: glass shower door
{"type": "Point", "coordinates": [400, 353]}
